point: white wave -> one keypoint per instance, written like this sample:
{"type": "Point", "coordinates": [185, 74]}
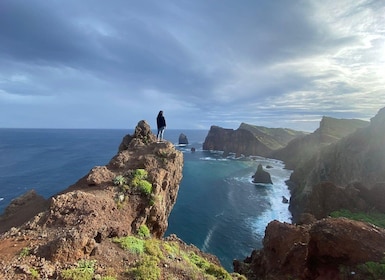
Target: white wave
{"type": "Point", "coordinates": [213, 159]}
{"type": "Point", "coordinates": [219, 214]}
{"type": "Point", "coordinates": [277, 210]}
{"type": "Point", "coordinates": [1, 198]}
{"type": "Point", "coordinates": [206, 243]}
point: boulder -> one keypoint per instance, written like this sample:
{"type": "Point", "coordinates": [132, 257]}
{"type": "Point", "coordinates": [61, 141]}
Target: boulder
{"type": "Point", "coordinates": [261, 176]}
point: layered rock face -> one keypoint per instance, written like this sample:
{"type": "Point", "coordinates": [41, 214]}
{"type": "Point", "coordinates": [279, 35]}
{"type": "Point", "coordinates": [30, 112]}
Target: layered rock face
{"type": "Point", "coordinates": [325, 249]}
{"type": "Point", "coordinates": [304, 148]}
{"type": "Point", "coordinates": [348, 174]}
{"type": "Point", "coordinates": [248, 140]}
{"type": "Point", "coordinates": [75, 221]}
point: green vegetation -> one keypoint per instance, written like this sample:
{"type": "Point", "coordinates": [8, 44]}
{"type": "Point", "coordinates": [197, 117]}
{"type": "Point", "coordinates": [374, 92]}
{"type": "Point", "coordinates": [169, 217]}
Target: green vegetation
{"type": "Point", "coordinates": [373, 270]}
{"type": "Point", "coordinates": [131, 244]}
{"type": "Point", "coordinates": [120, 180]}
{"type": "Point", "coordinates": [377, 219]}
{"type": "Point", "coordinates": [108, 278]}
{"type": "Point", "coordinates": [140, 182]}
{"type": "Point", "coordinates": [146, 269]}
{"type": "Point", "coordinates": [144, 232]}
{"type": "Point", "coordinates": [34, 273]}
{"type": "Point", "coordinates": [208, 268]}
{"type": "Point", "coordinates": [152, 248]}
{"type": "Point", "coordinates": [137, 180]}
{"type": "Point", "coordinates": [154, 254]}
{"type": "Point", "coordinates": [25, 252]}
{"type": "Point", "coordinates": [84, 271]}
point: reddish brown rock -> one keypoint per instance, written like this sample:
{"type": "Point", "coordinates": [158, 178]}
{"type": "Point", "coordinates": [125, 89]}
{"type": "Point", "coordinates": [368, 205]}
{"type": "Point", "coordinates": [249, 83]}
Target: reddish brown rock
{"type": "Point", "coordinates": [82, 216]}
{"type": "Point", "coordinates": [314, 251]}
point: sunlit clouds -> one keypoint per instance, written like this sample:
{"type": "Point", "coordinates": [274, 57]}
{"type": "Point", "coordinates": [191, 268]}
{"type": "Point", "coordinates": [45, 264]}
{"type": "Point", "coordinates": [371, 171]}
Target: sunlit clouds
{"type": "Point", "coordinates": [109, 64]}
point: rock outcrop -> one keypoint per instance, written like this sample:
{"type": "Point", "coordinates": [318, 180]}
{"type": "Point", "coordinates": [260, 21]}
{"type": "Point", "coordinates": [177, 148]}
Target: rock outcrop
{"type": "Point", "coordinates": [248, 140]}
{"type": "Point", "coordinates": [346, 174]}
{"type": "Point", "coordinates": [22, 209]}
{"type": "Point", "coordinates": [261, 176]}
{"type": "Point", "coordinates": [81, 222]}
{"type": "Point", "coordinates": [183, 139]}
{"type": "Point", "coordinates": [326, 249]}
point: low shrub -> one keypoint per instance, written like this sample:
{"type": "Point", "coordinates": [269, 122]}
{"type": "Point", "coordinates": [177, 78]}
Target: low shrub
{"type": "Point", "coordinates": [25, 252]}
{"type": "Point", "coordinates": [152, 248]}
{"type": "Point", "coordinates": [208, 268]}
{"type": "Point", "coordinates": [140, 182]}
{"type": "Point", "coordinates": [374, 218]}
{"type": "Point", "coordinates": [130, 243]}
{"type": "Point", "coordinates": [144, 232]}
{"type": "Point", "coordinates": [146, 269]}
{"type": "Point", "coordinates": [120, 180]}
{"type": "Point", "coordinates": [84, 271]}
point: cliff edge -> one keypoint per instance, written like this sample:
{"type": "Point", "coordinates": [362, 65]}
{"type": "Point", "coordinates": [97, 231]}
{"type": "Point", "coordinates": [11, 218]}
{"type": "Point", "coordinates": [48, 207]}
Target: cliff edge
{"type": "Point", "coordinates": [108, 224]}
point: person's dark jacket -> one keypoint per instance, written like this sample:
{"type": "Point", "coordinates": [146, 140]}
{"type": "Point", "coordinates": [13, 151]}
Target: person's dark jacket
{"type": "Point", "coordinates": [161, 122]}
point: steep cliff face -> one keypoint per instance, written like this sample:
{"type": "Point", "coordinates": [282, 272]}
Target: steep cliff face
{"type": "Point", "coordinates": [248, 139]}
{"type": "Point", "coordinates": [110, 201]}
{"type": "Point", "coordinates": [353, 167]}
{"type": "Point", "coordinates": [274, 138]}
{"type": "Point", "coordinates": [326, 249]}
{"type": "Point", "coordinates": [303, 148]}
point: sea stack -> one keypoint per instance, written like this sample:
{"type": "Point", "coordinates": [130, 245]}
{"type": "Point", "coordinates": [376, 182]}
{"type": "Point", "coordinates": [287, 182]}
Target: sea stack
{"type": "Point", "coordinates": [183, 139]}
{"type": "Point", "coordinates": [261, 176]}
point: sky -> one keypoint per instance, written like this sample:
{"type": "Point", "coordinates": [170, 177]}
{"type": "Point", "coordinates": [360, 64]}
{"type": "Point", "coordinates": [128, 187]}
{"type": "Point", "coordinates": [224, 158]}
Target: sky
{"type": "Point", "coordinates": [110, 64]}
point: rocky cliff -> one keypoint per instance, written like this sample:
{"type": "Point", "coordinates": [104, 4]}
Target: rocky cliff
{"type": "Point", "coordinates": [328, 249]}
{"type": "Point", "coordinates": [80, 229]}
{"type": "Point", "coordinates": [347, 174]}
{"type": "Point", "coordinates": [248, 139]}
{"type": "Point", "coordinates": [301, 149]}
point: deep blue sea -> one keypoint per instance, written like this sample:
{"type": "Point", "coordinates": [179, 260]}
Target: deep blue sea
{"type": "Point", "coordinates": [218, 209]}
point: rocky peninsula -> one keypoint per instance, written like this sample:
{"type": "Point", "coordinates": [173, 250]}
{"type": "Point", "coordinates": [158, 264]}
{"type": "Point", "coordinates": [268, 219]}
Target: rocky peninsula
{"type": "Point", "coordinates": [108, 225]}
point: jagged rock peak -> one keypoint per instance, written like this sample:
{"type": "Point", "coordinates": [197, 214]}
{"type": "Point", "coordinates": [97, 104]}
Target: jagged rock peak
{"type": "Point", "coordinates": [142, 136]}
{"type": "Point", "coordinates": [261, 176]}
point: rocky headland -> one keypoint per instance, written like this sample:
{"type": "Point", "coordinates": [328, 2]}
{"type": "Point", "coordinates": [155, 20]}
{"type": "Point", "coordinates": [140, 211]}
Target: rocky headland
{"type": "Point", "coordinates": [249, 139]}
{"type": "Point", "coordinates": [348, 174]}
{"type": "Point", "coordinates": [339, 166]}
{"type": "Point", "coordinates": [108, 225]}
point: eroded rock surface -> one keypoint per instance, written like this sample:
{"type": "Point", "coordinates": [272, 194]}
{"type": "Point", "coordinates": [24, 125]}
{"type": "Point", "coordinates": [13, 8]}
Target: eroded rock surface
{"type": "Point", "coordinates": [314, 251]}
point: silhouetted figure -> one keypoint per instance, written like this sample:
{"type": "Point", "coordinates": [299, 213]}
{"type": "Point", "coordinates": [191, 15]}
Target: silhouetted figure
{"type": "Point", "coordinates": [161, 123]}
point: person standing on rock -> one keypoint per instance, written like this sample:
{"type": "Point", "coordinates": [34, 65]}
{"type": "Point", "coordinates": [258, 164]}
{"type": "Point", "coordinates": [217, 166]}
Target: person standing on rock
{"type": "Point", "coordinates": [161, 123]}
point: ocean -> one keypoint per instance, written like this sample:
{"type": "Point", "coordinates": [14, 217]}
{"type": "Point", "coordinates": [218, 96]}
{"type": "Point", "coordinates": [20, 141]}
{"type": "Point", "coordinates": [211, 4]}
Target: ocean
{"type": "Point", "coordinates": [218, 209]}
